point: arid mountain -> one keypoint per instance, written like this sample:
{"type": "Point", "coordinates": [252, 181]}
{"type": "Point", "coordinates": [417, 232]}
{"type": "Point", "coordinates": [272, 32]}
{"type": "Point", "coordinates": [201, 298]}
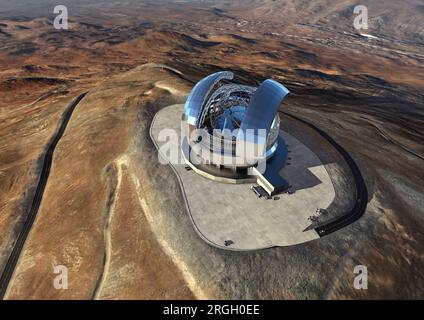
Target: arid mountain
{"type": "Point", "coordinates": [401, 20]}
{"type": "Point", "coordinates": [365, 92]}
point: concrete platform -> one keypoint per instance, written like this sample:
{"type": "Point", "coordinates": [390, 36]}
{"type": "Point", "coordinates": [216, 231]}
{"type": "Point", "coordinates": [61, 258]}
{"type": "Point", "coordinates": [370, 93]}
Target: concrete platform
{"type": "Point", "coordinates": [222, 212]}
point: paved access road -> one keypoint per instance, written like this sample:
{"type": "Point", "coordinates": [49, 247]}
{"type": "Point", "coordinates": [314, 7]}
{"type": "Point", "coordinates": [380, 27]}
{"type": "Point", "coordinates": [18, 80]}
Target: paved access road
{"type": "Point", "coordinates": [12, 261]}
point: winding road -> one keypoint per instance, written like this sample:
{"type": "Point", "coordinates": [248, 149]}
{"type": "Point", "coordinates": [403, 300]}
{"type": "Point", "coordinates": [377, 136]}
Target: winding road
{"type": "Point", "coordinates": [361, 188]}
{"type": "Point", "coordinates": [12, 261]}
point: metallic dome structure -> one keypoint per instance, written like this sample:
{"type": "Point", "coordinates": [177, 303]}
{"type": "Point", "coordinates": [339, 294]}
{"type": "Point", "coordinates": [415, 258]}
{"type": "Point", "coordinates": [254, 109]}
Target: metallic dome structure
{"type": "Point", "coordinates": [232, 131]}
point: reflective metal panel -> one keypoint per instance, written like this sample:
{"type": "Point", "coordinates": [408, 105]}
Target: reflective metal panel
{"type": "Point", "coordinates": [199, 95]}
{"type": "Point", "coordinates": [259, 116]}
{"type": "Point", "coordinates": [264, 105]}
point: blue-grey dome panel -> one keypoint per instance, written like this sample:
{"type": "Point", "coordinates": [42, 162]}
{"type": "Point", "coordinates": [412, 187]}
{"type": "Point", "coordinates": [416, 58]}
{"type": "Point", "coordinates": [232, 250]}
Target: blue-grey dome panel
{"type": "Point", "coordinates": [199, 95]}
{"type": "Point", "coordinates": [264, 105]}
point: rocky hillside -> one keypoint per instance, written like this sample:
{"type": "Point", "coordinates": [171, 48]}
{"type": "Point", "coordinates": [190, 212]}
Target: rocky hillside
{"type": "Point", "coordinates": [367, 93]}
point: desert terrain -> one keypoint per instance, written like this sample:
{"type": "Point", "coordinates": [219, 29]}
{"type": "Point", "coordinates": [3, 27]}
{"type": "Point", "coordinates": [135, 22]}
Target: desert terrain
{"type": "Point", "coordinates": [116, 218]}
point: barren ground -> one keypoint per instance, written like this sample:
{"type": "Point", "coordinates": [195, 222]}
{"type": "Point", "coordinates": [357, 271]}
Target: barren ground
{"type": "Point", "coordinates": [116, 218]}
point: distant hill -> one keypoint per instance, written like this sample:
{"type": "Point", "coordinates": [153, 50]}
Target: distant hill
{"type": "Point", "coordinates": [402, 20]}
{"type": "Point", "coordinates": [396, 19]}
